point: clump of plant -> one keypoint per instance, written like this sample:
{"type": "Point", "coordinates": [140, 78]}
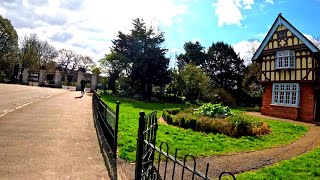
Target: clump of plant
{"type": "Point", "coordinates": [248, 126]}
{"type": "Point", "coordinates": [234, 125]}
{"type": "Point", "coordinates": [213, 110]}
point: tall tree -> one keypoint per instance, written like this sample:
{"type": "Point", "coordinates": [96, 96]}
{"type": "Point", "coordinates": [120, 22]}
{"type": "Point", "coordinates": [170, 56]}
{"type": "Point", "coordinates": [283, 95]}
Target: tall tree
{"type": "Point", "coordinates": [251, 78]}
{"type": "Point", "coordinates": [114, 63]}
{"type": "Point", "coordinates": [70, 62]}
{"type": "Point", "coordinates": [45, 52]}
{"type": "Point", "coordinates": [147, 64]}
{"type": "Point", "coordinates": [252, 72]}
{"type": "Point", "coordinates": [194, 53]}
{"type": "Point", "coordinates": [191, 82]}
{"type": "Point", "coordinates": [8, 49]}
{"type": "Point", "coordinates": [28, 53]}
{"type": "Point", "coordinates": [36, 53]}
{"type": "Point", "coordinates": [225, 66]}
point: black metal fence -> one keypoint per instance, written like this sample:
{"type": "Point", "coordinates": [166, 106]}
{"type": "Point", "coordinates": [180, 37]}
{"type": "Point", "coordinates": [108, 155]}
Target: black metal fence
{"type": "Point", "coordinates": [165, 166]}
{"type": "Point", "coordinates": [106, 123]}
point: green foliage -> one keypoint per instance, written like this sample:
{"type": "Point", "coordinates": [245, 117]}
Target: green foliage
{"type": "Point", "coordinates": [8, 49]}
{"type": "Point", "coordinates": [124, 87]}
{"type": "Point", "coordinates": [306, 166]}
{"type": "Point", "coordinates": [203, 144]}
{"type": "Point", "coordinates": [194, 53]}
{"type": "Point", "coordinates": [248, 126]}
{"type": "Point", "coordinates": [251, 78]}
{"type": "Point", "coordinates": [209, 118]}
{"type": "Point", "coordinates": [115, 63]}
{"type": "Point", "coordinates": [173, 111]}
{"type": "Point", "coordinates": [96, 70]}
{"type": "Point", "coordinates": [213, 110]}
{"type": "Point", "coordinates": [192, 82]}
{"type": "Point", "coordinates": [225, 66]}
{"type": "Point", "coordinates": [147, 62]}
{"type": "Point", "coordinates": [224, 97]}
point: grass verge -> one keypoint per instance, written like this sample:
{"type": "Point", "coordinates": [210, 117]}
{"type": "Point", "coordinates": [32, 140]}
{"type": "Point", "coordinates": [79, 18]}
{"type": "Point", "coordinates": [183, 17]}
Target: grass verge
{"type": "Point", "coordinates": [188, 141]}
{"type": "Point", "coordinates": [306, 166]}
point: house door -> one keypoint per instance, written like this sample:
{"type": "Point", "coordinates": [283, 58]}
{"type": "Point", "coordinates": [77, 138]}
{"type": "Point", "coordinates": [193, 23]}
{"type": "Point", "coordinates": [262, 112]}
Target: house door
{"type": "Point", "coordinates": [317, 108]}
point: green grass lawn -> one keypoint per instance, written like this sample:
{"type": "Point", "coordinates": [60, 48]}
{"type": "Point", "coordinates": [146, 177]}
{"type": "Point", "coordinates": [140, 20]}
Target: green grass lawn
{"type": "Point", "coordinates": [306, 166]}
{"type": "Point", "coordinates": [188, 141]}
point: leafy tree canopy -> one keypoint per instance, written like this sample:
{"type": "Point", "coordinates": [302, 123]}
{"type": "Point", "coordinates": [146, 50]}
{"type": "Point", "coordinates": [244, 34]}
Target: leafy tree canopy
{"type": "Point", "coordinates": [194, 53]}
{"type": "Point", "coordinates": [224, 66]}
{"type": "Point", "coordinates": [145, 64]}
{"type": "Point", "coordinates": [8, 48]}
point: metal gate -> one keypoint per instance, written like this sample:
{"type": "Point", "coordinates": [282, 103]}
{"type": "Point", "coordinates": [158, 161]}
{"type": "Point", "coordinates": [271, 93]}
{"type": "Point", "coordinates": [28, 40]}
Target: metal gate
{"type": "Point", "coordinates": [106, 123]}
{"type": "Point", "coordinates": [165, 166]}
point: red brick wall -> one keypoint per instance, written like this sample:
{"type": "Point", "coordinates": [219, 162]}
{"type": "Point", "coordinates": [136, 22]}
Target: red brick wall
{"type": "Point", "coordinates": [306, 102]}
{"type": "Point", "coordinates": [303, 113]}
{"type": "Point", "coordinates": [266, 99]}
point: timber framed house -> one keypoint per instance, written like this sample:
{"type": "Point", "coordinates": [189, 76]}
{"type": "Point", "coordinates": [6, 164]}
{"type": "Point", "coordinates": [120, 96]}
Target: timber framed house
{"type": "Point", "coordinates": [289, 73]}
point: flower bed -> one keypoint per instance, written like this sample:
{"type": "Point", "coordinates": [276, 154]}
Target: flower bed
{"type": "Point", "coordinates": [215, 118]}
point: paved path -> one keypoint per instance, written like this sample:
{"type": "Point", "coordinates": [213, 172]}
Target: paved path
{"type": "Point", "coordinates": [52, 138]}
{"type": "Point", "coordinates": [14, 96]}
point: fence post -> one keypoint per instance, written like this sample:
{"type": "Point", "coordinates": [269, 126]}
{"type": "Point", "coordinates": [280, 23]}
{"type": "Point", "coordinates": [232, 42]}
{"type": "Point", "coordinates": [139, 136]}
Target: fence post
{"type": "Point", "coordinates": [116, 131]}
{"type": "Point", "coordinates": [140, 142]}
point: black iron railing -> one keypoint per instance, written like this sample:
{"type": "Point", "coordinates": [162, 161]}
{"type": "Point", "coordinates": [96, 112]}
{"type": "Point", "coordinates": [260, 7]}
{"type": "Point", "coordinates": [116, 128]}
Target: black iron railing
{"type": "Point", "coordinates": [106, 123]}
{"type": "Point", "coordinates": [165, 166]}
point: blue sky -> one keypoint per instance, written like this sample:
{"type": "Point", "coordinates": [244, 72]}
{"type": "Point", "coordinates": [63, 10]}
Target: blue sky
{"type": "Point", "coordinates": [88, 26]}
{"type": "Point", "coordinates": [202, 21]}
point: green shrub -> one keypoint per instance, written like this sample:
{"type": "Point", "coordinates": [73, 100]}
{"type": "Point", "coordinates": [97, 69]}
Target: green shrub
{"type": "Point", "coordinates": [208, 118]}
{"type": "Point", "coordinates": [248, 126]}
{"type": "Point", "coordinates": [213, 110]}
{"type": "Point", "coordinates": [224, 97]}
{"type": "Point", "coordinates": [172, 111]}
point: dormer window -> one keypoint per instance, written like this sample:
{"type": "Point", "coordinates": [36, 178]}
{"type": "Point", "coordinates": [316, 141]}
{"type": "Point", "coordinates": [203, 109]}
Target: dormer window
{"type": "Point", "coordinates": [285, 59]}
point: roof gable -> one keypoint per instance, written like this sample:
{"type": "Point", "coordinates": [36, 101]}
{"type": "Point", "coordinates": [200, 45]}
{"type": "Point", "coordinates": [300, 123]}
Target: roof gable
{"type": "Point", "coordinates": [282, 21]}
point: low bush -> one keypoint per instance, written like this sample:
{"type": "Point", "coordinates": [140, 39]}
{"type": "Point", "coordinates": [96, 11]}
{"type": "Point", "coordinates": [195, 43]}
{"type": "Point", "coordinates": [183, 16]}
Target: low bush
{"type": "Point", "coordinates": [213, 110]}
{"type": "Point", "coordinates": [235, 125]}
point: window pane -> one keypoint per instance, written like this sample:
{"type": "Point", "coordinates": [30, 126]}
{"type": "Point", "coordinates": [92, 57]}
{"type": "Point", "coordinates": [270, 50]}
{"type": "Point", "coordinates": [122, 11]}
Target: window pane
{"type": "Point", "coordinates": [286, 62]}
{"type": "Point", "coordinates": [287, 101]}
{"type": "Point", "coordinates": [281, 97]}
{"type": "Point", "coordinates": [288, 87]}
{"type": "Point", "coordinates": [294, 87]}
{"type": "Point", "coordinates": [285, 94]}
{"type": "Point", "coordinates": [292, 53]}
{"type": "Point", "coordinates": [276, 96]}
{"type": "Point", "coordinates": [294, 98]}
{"type": "Point", "coordinates": [292, 62]}
{"type": "Point", "coordinates": [280, 62]}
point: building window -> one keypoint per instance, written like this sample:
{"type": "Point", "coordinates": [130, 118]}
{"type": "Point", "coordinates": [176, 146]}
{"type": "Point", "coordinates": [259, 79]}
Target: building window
{"type": "Point", "coordinates": [285, 59]}
{"type": "Point", "coordinates": [286, 94]}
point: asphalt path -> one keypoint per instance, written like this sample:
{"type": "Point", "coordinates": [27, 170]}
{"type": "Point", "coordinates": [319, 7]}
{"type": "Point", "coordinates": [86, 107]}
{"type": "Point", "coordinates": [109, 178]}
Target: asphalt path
{"type": "Point", "coordinates": [13, 97]}
{"type": "Point", "coordinates": [47, 134]}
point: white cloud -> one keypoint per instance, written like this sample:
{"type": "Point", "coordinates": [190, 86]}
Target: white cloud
{"type": "Point", "coordinates": [269, 1]}
{"type": "Point", "coordinates": [248, 4]}
{"type": "Point", "coordinates": [246, 49]}
{"type": "Point", "coordinates": [3, 11]}
{"type": "Point", "coordinates": [92, 24]}
{"type": "Point", "coordinates": [229, 11]}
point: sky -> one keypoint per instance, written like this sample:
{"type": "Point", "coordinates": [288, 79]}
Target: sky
{"type": "Point", "coordinates": [89, 26]}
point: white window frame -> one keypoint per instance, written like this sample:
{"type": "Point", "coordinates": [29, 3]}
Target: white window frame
{"type": "Point", "coordinates": [286, 94]}
{"type": "Point", "coordinates": [285, 59]}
